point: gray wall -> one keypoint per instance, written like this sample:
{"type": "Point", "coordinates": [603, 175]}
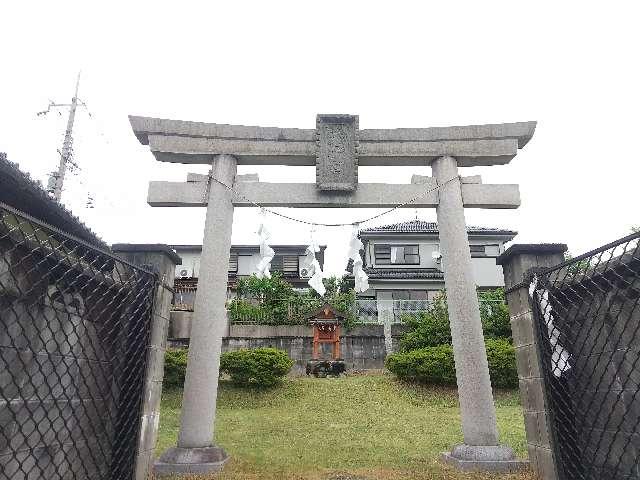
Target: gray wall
{"type": "Point", "coordinates": [603, 383]}
{"type": "Point", "coordinates": [56, 395]}
{"type": "Point", "coordinates": [362, 348]}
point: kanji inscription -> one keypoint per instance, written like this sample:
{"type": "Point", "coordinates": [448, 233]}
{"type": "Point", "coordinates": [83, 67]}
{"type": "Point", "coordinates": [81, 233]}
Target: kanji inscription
{"type": "Point", "coordinates": [337, 152]}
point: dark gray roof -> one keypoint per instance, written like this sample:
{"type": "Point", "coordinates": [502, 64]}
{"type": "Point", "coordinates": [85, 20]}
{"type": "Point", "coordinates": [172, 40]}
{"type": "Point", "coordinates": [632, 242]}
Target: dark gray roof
{"type": "Point", "coordinates": [20, 191]}
{"type": "Point", "coordinates": [404, 273]}
{"type": "Point", "coordinates": [240, 249]}
{"type": "Point", "coordinates": [146, 248]}
{"type": "Point", "coordinates": [256, 248]}
{"type": "Point", "coordinates": [531, 249]}
{"type": "Point", "coordinates": [422, 226]}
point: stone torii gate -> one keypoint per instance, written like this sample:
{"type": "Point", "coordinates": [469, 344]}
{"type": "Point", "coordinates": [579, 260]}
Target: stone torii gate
{"type": "Point", "coordinates": [336, 147]}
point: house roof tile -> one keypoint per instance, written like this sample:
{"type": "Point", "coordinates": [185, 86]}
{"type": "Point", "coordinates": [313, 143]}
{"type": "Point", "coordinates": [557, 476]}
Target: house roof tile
{"type": "Point", "coordinates": [422, 226]}
{"type": "Point", "coordinates": [20, 191]}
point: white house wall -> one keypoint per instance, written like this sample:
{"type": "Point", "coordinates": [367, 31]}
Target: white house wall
{"type": "Point", "coordinates": [190, 262]}
{"type": "Point", "coordinates": [247, 263]}
{"type": "Point", "coordinates": [485, 270]}
{"type": "Point", "coordinates": [486, 273]}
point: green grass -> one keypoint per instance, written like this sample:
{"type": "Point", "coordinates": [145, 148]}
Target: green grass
{"type": "Point", "coordinates": [370, 426]}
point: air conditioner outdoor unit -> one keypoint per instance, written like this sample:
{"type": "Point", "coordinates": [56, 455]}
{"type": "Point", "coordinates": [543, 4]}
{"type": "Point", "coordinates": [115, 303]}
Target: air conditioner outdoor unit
{"type": "Point", "coordinates": [185, 273]}
{"type": "Point", "coordinates": [304, 272]}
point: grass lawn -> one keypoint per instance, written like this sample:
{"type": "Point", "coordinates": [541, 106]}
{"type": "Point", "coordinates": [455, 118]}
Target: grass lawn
{"type": "Point", "coordinates": [349, 428]}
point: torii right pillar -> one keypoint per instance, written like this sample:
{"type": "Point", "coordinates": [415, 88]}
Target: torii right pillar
{"type": "Point", "coordinates": [481, 449]}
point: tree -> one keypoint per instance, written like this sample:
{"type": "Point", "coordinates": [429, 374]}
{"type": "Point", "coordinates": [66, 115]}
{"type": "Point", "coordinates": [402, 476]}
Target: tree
{"type": "Point", "coordinates": [577, 267]}
{"type": "Point", "coordinates": [431, 328]}
{"type": "Point", "coordinates": [273, 301]}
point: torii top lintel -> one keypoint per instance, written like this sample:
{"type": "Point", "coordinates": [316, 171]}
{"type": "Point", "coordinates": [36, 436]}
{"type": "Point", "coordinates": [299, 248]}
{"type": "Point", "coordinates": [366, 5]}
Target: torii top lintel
{"type": "Point", "coordinates": [336, 147]}
{"type": "Point", "coordinates": [195, 142]}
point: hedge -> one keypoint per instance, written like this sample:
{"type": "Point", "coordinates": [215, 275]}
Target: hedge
{"type": "Point", "coordinates": [259, 367]}
{"type": "Point", "coordinates": [435, 365]}
{"type": "Point", "coordinates": [175, 367]}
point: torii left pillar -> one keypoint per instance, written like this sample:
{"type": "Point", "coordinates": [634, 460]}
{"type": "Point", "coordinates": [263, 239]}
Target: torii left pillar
{"type": "Point", "coordinates": [196, 452]}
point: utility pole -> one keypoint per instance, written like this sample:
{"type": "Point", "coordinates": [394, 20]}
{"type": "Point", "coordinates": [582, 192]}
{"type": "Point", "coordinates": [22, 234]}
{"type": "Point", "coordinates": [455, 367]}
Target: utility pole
{"type": "Point", "coordinates": [56, 180]}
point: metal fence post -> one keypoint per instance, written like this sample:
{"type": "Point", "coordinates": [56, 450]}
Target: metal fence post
{"type": "Point", "coordinates": [163, 260]}
{"type": "Point", "coordinates": [516, 262]}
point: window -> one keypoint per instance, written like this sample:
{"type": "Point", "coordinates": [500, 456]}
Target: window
{"type": "Point", "coordinates": [397, 254]}
{"type": "Point", "coordinates": [233, 263]}
{"type": "Point", "coordinates": [477, 250]}
{"type": "Point", "coordinates": [287, 264]}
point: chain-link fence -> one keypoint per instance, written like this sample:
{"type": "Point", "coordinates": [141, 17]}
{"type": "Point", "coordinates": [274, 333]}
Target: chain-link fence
{"type": "Point", "coordinates": [588, 322]}
{"type": "Point", "coordinates": [74, 327]}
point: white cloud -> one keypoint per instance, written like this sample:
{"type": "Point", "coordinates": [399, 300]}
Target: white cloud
{"type": "Point", "coordinates": [571, 66]}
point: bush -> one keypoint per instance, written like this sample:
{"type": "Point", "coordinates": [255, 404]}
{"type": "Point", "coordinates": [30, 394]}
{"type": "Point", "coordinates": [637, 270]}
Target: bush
{"type": "Point", "coordinates": [273, 301]}
{"type": "Point", "coordinates": [430, 328]}
{"type": "Point", "coordinates": [175, 367]}
{"type": "Point", "coordinates": [259, 367]}
{"type": "Point", "coordinates": [435, 365]}
{"type": "Point", "coordinates": [494, 314]}
{"type": "Point", "coordinates": [502, 363]}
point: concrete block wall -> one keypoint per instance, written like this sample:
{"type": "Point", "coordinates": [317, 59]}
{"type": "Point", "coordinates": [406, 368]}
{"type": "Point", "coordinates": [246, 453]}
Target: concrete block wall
{"type": "Point", "coordinates": [603, 337]}
{"type": "Point", "coordinates": [362, 348]}
{"type": "Point", "coordinates": [56, 376]}
{"type": "Point", "coordinates": [163, 261]}
{"type": "Point", "coordinates": [517, 261]}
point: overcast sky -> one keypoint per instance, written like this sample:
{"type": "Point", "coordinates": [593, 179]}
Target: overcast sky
{"type": "Point", "coordinates": [572, 66]}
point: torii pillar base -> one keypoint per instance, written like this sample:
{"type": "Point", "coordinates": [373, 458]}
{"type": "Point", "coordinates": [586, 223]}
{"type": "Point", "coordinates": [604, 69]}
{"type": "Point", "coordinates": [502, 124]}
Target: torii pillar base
{"type": "Point", "coordinates": [190, 461]}
{"type": "Point", "coordinates": [472, 458]}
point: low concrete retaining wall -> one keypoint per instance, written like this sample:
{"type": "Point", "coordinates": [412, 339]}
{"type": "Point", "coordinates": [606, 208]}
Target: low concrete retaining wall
{"type": "Point", "coordinates": [362, 348]}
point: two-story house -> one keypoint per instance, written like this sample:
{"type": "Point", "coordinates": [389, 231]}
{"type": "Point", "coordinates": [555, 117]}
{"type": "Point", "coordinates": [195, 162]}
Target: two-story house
{"type": "Point", "coordinates": [405, 267]}
{"type": "Point", "coordinates": [243, 259]}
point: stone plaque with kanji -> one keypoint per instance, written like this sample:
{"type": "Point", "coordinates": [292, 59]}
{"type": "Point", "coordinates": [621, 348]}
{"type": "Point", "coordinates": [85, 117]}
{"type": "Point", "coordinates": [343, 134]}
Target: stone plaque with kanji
{"type": "Point", "coordinates": [337, 152]}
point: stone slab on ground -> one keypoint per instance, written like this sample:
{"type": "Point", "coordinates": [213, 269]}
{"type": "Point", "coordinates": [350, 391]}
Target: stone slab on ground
{"type": "Point", "coordinates": [181, 461]}
{"type": "Point", "coordinates": [472, 458]}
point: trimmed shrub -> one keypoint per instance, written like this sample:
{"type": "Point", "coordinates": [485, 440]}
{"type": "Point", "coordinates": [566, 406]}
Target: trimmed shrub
{"type": "Point", "coordinates": [435, 365]}
{"type": "Point", "coordinates": [175, 367]}
{"type": "Point", "coordinates": [259, 367]}
{"type": "Point", "coordinates": [502, 363]}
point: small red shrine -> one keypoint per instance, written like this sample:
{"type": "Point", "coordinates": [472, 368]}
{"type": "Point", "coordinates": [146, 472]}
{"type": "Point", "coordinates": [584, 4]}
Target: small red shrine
{"type": "Point", "coordinates": [326, 323]}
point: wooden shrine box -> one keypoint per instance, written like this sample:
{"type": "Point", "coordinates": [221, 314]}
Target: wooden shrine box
{"type": "Point", "coordinates": [326, 323]}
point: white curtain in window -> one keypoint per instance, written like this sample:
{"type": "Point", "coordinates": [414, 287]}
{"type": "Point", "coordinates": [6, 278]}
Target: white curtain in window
{"type": "Point", "coordinates": [397, 254]}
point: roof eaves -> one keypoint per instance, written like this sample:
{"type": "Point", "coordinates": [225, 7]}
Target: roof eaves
{"type": "Point", "coordinates": [35, 201]}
